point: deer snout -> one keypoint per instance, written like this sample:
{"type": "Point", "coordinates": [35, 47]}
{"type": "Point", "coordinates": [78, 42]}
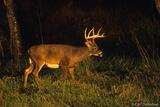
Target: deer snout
{"type": "Point", "coordinates": [100, 54]}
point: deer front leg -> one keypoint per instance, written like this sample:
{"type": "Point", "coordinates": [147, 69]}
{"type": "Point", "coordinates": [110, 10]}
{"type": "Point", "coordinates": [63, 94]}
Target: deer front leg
{"type": "Point", "coordinates": [64, 68]}
{"type": "Point", "coordinates": [64, 64]}
{"type": "Point", "coordinates": [71, 71]}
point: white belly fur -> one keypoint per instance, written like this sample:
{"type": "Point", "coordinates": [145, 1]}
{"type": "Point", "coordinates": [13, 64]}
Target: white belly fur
{"type": "Point", "coordinates": [53, 65]}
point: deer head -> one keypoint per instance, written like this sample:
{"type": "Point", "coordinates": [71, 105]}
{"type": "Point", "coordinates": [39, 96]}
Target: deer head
{"type": "Point", "coordinates": [90, 42]}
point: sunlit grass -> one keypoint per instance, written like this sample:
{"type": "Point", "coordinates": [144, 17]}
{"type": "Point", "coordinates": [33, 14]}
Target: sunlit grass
{"type": "Point", "coordinates": [101, 82]}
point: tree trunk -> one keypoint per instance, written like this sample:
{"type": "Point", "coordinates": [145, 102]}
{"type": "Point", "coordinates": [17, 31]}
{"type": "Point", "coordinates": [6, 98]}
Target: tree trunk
{"type": "Point", "coordinates": [157, 2]}
{"type": "Point", "coordinates": [15, 42]}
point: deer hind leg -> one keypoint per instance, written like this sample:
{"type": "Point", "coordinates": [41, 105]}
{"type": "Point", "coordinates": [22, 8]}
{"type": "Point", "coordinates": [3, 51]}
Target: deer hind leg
{"type": "Point", "coordinates": [27, 71]}
{"type": "Point", "coordinates": [36, 71]}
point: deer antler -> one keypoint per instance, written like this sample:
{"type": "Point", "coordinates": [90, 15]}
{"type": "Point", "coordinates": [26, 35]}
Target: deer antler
{"type": "Point", "coordinates": [93, 36]}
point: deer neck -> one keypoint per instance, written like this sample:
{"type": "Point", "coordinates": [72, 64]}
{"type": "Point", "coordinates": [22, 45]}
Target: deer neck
{"type": "Point", "coordinates": [81, 53]}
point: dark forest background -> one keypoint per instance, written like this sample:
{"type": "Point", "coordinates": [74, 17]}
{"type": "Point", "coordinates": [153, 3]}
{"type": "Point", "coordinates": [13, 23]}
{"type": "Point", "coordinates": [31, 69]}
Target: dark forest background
{"type": "Point", "coordinates": [55, 21]}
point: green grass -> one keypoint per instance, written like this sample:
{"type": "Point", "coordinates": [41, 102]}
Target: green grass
{"type": "Point", "coordinates": [113, 82]}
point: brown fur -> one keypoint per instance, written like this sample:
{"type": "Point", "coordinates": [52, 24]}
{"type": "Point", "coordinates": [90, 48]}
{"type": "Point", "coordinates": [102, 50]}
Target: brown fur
{"type": "Point", "coordinates": [65, 56]}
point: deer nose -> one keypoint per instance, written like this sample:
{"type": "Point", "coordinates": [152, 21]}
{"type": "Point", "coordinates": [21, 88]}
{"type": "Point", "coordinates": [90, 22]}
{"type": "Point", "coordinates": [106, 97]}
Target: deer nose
{"type": "Point", "coordinates": [100, 54]}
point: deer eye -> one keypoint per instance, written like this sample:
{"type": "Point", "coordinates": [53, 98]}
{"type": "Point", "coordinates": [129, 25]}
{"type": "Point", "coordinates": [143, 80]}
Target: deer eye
{"type": "Point", "coordinates": [95, 48]}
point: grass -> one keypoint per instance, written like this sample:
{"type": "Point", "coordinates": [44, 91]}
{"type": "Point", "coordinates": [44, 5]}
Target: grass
{"type": "Point", "coordinates": [107, 82]}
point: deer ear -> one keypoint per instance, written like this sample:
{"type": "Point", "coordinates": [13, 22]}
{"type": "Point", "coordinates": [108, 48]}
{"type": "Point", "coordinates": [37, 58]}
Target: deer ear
{"type": "Point", "coordinates": [88, 44]}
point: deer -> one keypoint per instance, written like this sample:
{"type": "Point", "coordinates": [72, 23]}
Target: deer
{"type": "Point", "coordinates": [61, 56]}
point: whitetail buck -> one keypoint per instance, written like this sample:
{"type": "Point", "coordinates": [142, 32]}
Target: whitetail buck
{"type": "Point", "coordinates": [58, 55]}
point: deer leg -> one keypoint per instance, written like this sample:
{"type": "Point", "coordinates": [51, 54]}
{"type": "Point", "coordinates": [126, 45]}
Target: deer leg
{"type": "Point", "coordinates": [27, 71]}
{"type": "Point", "coordinates": [64, 68]}
{"type": "Point", "coordinates": [64, 63]}
{"type": "Point", "coordinates": [36, 71]}
{"type": "Point", "coordinates": [71, 71]}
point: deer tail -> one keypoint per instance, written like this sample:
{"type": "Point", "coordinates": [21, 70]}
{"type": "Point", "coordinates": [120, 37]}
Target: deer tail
{"type": "Point", "coordinates": [30, 61]}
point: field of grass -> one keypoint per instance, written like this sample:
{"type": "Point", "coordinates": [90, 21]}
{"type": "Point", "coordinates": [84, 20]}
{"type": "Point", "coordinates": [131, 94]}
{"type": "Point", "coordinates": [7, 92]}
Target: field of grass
{"type": "Point", "coordinates": [112, 82]}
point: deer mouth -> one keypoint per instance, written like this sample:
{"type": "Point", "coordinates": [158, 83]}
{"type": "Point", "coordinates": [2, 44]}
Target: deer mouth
{"type": "Point", "coordinates": [100, 54]}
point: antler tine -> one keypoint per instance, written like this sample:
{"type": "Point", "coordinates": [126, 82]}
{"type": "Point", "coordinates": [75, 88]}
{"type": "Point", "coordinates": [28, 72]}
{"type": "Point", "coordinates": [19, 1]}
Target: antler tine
{"type": "Point", "coordinates": [99, 31]}
{"type": "Point", "coordinates": [98, 35]}
{"type": "Point", "coordinates": [103, 35]}
{"type": "Point", "coordinates": [85, 33]}
{"type": "Point", "coordinates": [92, 30]}
{"type": "Point", "coordinates": [89, 36]}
